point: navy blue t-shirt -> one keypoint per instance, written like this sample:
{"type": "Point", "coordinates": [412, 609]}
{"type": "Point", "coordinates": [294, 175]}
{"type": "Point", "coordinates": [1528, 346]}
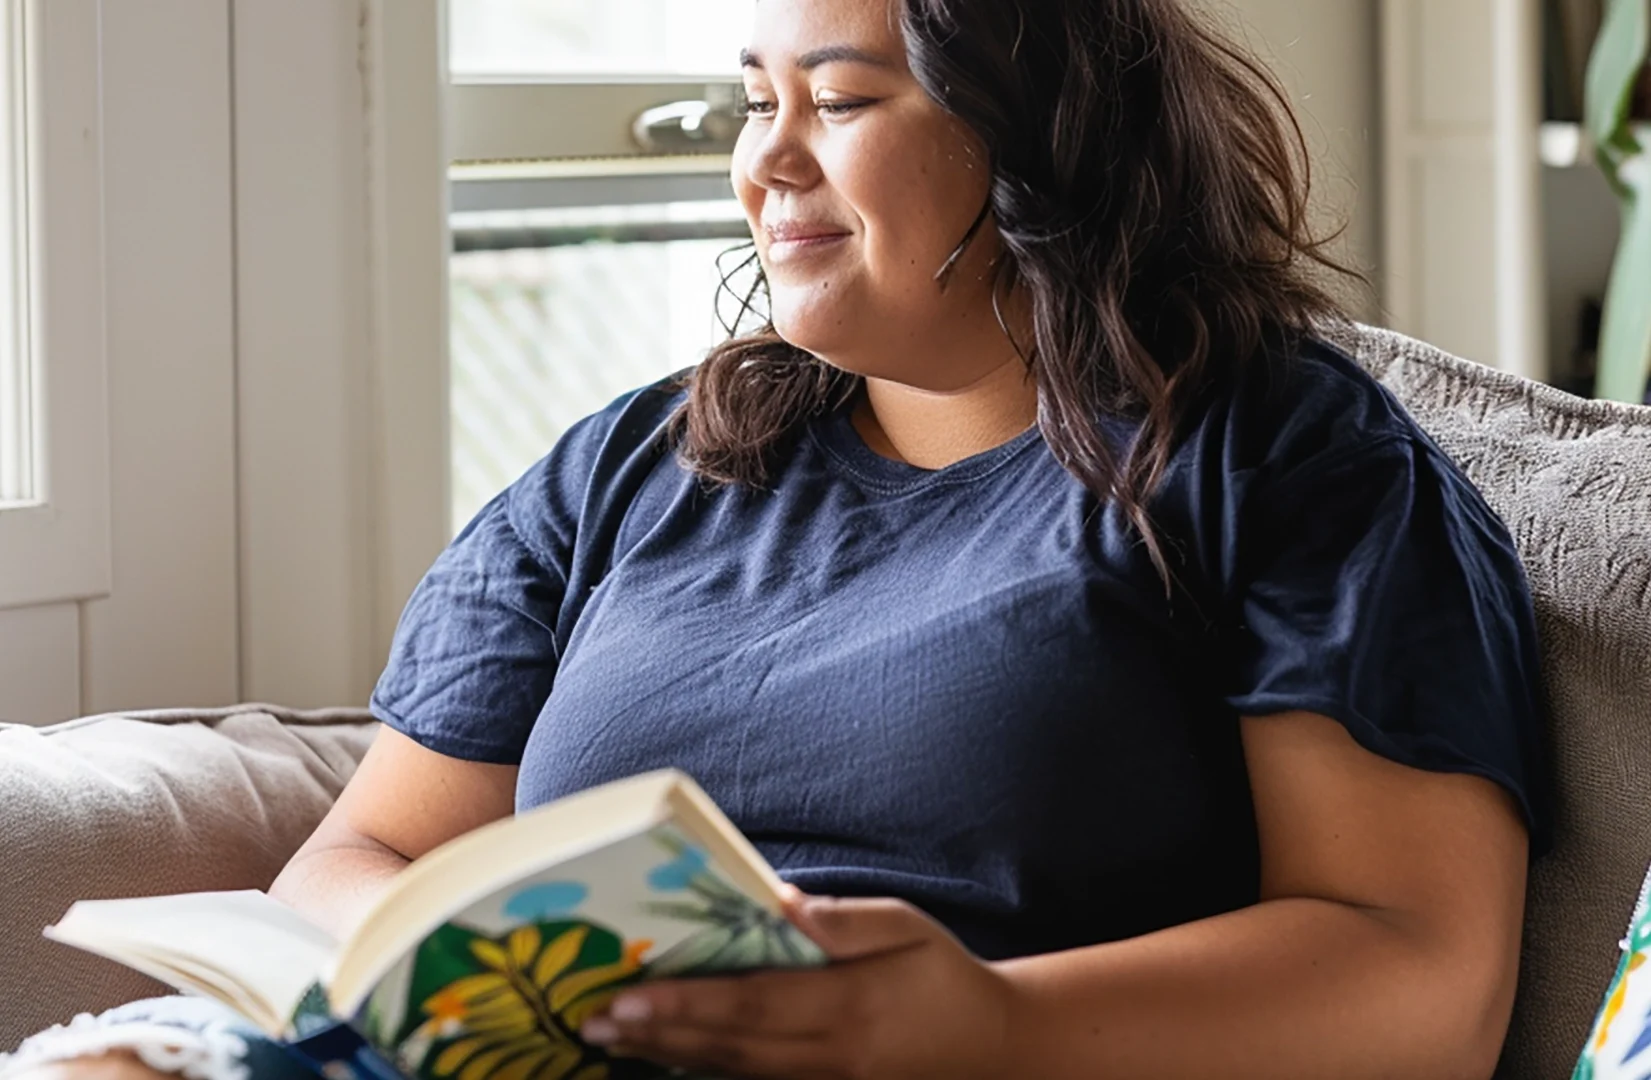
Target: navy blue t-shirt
{"type": "Point", "coordinates": [967, 687]}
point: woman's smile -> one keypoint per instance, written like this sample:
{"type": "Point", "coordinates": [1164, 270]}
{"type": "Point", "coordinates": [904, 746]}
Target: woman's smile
{"type": "Point", "coordinates": [794, 240]}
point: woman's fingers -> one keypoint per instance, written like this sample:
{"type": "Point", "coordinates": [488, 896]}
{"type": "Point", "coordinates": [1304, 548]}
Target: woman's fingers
{"type": "Point", "coordinates": [855, 929]}
{"type": "Point", "coordinates": [787, 1004]}
{"type": "Point", "coordinates": [900, 991]}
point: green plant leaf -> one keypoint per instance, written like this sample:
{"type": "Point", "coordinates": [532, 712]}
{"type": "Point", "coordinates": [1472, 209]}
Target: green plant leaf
{"type": "Point", "coordinates": [1613, 70]}
{"type": "Point", "coordinates": [1625, 334]}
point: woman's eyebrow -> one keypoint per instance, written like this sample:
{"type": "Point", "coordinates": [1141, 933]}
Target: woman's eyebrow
{"type": "Point", "coordinates": [830, 54]}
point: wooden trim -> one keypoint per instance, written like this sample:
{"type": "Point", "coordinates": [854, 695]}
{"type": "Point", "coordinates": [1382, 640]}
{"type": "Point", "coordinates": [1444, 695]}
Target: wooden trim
{"type": "Point", "coordinates": [168, 634]}
{"type": "Point", "coordinates": [303, 308]}
{"type": "Point", "coordinates": [404, 51]}
{"type": "Point", "coordinates": [1522, 311]}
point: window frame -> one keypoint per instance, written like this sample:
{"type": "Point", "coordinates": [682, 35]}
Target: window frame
{"type": "Point", "coordinates": [529, 142]}
{"type": "Point", "coordinates": [56, 547]}
{"type": "Point", "coordinates": [574, 119]}
{"type": "Point", "coordinates": [17, 397]}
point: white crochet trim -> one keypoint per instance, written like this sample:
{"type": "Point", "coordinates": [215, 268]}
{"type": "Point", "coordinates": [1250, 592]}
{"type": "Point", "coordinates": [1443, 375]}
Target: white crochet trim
{"type": "Point", "coordinates": [213, 1054]}
{"type": "Point", "coordinates": [1640, 906]}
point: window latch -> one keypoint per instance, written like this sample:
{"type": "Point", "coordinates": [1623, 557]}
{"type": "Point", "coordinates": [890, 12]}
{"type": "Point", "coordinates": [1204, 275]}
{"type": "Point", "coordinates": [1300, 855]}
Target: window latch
{"type": "Point", "coordinates": [707, 126]}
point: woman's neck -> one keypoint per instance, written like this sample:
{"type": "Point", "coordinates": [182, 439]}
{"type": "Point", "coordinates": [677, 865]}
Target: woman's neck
{"type": "Point", "coordinates": [932, 430]}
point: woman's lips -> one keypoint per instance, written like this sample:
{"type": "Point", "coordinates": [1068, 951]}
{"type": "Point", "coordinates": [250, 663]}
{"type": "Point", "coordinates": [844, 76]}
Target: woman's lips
{"type": "Point", "coordinates": [793, 241]}
{"type": "Point", "coordinates": [781, 250]}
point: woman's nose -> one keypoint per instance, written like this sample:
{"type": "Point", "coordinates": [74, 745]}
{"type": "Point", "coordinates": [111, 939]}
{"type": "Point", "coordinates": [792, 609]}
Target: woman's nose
{"type": "Point", "coordinates": [781, 158]}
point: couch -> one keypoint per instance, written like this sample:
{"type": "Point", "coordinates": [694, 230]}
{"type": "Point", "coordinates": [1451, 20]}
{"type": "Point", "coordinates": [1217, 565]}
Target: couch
{"type": "Point", "coordinates": [164, 802]}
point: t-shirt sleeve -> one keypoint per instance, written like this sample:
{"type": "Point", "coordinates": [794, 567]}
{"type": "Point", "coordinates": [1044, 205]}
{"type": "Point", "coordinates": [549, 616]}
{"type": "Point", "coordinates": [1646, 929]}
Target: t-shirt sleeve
{"type": "Point", "coordinates": [474, 654]}
{"type": "Point", "coordinates": [478, 644]}
{"type": "Point", "coordinates": [1376, 587]}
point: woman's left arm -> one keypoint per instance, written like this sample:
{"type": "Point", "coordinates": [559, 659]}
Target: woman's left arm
{"type": "Point", "coordinates": [1386, 943]}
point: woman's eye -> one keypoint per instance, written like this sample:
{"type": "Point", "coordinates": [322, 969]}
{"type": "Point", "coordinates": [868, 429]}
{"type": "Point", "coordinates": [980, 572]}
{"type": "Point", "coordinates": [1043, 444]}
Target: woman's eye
{"type": "Point", "coordinates": [758, 107]}
{"type": "Point", "coordinates": [840, 108]}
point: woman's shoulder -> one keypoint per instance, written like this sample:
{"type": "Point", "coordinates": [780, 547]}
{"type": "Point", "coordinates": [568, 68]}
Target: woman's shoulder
{"type": "Point", "coordinates": [632, 425]}
{"type": "Point", "coordinates": [1305, 407]}
{"type": "Point", "coordinates": [597, 462]}
{"type": "Point", "coordinates": [631, 421]}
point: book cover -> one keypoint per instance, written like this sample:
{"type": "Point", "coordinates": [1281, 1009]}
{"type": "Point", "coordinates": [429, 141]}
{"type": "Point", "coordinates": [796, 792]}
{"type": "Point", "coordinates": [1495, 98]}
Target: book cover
{"type": "Point", "coordinates": [500, 990]}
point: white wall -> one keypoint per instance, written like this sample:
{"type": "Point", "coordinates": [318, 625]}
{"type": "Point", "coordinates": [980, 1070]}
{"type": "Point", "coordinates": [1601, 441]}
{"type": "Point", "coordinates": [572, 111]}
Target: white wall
{"type": "Point", "coordinates": [1326, 54]}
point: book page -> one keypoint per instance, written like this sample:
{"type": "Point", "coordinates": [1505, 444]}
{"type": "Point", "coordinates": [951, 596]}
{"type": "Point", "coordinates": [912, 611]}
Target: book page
{"type": "Point", "coordinates": [245, 940]}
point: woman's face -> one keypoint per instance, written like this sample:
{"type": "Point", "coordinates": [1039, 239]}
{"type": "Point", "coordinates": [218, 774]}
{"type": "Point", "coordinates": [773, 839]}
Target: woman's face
{"type": "Point", "coordinates": [858, 188]}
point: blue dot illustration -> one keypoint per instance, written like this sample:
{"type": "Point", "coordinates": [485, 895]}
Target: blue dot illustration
{"type": "Point", "coordinates": [546, 901]}
{"type": "Point", "coordinates": [675, 875]}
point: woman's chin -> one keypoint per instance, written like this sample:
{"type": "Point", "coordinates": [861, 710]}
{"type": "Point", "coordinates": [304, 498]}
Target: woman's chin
{"type": "Point", "coordinates": [826, 331]}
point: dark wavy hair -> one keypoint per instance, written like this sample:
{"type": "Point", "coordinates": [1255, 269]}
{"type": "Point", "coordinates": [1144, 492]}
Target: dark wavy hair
{"type": "Point", "coordinates": [1150, 184]}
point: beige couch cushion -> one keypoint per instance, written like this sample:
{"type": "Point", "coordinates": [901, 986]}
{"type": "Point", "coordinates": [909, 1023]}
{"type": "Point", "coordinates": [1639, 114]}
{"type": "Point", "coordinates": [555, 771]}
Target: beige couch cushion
{"type": "Point", "coordinates": [147, 803]}
{"type": "Point", "coordinates": [1572, 479]}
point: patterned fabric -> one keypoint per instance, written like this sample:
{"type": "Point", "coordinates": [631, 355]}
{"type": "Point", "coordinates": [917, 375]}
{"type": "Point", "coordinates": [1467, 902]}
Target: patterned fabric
{"type": "Point", "coordinates": [1619, 1047]}
{"type": "Point", "coordinates": [188, 1037]}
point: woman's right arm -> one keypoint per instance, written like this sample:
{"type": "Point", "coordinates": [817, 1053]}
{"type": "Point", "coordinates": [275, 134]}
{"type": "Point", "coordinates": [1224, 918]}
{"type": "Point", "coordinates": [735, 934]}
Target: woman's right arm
{"type": "Point", "coordinates": [402, 801]}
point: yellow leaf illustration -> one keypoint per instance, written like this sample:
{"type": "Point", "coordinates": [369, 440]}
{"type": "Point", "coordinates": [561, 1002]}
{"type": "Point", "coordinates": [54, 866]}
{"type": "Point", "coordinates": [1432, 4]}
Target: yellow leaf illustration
{"type": "Point", "coordinates": [504, 1024]}
{"type": "Point", "coordinates": [559, 956]}
{"type": "Point", "coordinates": [520, 1019]}
{"type": "Point", "coordinates": [575, 986]}
{"type": "Point", "coordinates": [524, 1067]}
{"type": "Point", "coordinates": [482, 1066]}
{"type": "Point", "coordinates": [474, 989]}
{"type": "Point", "coordinates": [489, 953]}
{"type": "Point", "coordinates": [456, 1055]}
{"type": "Point", "coordinates": [524, 946]}
{"type": "Point", "coordinates": [582, 1010]}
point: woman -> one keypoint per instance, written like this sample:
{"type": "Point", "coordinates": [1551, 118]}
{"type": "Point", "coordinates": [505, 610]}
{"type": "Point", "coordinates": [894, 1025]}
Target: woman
{"type": "Point", "coordinates": [1153, 697]}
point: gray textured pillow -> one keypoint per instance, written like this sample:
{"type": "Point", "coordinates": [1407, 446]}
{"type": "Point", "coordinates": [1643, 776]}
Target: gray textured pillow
{"type": "Point", "coordinates": [145, 804]}
{"type": "Point", "coordinates": [1572, 479]}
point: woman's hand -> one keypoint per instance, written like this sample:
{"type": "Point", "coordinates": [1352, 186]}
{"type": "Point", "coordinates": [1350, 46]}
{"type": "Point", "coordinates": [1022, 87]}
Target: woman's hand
{"type": "Point", "coordinates": [902, 999]}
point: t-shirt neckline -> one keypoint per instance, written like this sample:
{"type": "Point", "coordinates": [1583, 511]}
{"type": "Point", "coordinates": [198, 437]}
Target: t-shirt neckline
{"type": "Point", "coordinates": [837, 436]}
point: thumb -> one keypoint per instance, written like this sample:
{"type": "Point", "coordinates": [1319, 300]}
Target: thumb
{"type": "Point", "coordinates": [851, 929]}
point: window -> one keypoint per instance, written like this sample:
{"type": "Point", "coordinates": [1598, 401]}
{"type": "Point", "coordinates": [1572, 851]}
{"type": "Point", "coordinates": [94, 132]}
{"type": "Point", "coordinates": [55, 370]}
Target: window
{"type": "Point", "coordinates": [574, 38]}
{"type": "Point", "coordinates": [17, 379]}
{"type": "Point", "coordinates": [591, 207]}
{"type": "Point", "coordinates": [54, 427]}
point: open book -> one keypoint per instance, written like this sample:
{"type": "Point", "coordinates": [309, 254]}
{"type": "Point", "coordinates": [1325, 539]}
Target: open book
{"type": "Point", "coordinates": [484, 957]}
